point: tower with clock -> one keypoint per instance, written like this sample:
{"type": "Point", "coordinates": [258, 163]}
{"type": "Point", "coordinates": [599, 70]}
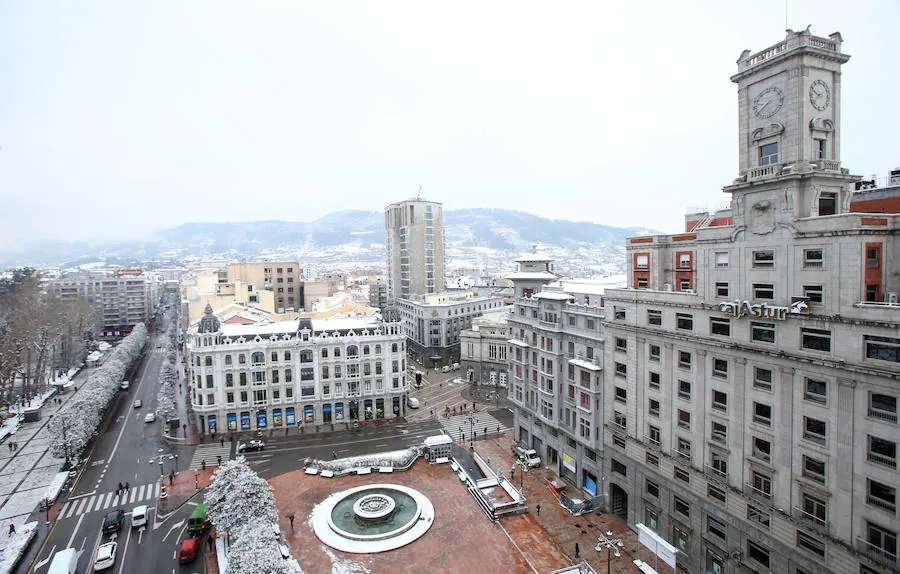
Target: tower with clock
{"type": "Point", "coordinates": [789, 128]}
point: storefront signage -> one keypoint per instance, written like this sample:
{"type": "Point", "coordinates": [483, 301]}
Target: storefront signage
{"type": "Point", "coordinates": [568, 462]}
{"type": "Point", "coordinates": [738, 309]}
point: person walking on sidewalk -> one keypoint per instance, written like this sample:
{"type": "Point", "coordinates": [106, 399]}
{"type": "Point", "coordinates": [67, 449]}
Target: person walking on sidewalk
{"type": "Point", "coordinates": [538, 509]}
{"type": "Point", "coordinates": [12, 529]}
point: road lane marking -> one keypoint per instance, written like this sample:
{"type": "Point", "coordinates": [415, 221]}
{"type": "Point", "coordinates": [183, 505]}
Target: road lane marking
{"type": "Point", "coordinates": [131, 498]}
{"type": "Point", "coordinates": [125, 550]}
{"type": "Point", "coordinates": [141, 495]}
{"type": "Point", "coordinates": [74, 532]}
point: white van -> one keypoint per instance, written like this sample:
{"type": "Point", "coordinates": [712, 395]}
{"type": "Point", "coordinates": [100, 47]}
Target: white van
{"type": "Point", "coordinates": [413, 402]}
{"type": "Point", "coordinates": [64, 562]}
{"type": "Point", "coordinates": [139, 516]}
{"type": "Point", "coordinates": [445, 369]}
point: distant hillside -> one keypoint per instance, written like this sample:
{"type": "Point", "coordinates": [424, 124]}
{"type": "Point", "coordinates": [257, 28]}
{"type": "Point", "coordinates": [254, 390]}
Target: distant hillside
{"type": "Point", "coordinates": [353, 234]}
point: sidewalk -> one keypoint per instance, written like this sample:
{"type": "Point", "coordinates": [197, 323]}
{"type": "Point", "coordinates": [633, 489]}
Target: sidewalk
{"type": "Point", "coordinates": [184, 486]}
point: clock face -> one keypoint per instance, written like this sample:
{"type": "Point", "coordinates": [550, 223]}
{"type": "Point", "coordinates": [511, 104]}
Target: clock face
{"type": "Point", "coordinates": [768, 102]}
{"type": "Point", "coordinates": [819, 95]}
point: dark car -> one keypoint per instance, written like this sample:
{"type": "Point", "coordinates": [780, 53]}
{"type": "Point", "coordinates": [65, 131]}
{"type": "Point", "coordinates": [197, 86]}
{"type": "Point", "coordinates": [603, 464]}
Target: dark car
{"type": "Point", "coordinates": [252, 445]}
{"type": "Point", "coordinates": [113, 521]}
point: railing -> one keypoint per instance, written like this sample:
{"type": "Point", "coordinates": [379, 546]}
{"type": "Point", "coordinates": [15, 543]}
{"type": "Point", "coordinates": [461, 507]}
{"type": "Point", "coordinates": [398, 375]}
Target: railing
{"type": "Point", "coordinates": [813, 476]}
{"type": "Point", "coordinates": [764, 171]}
{"type": "Point", "coordinates": [890, 462]}
{"type": "Point", "coordinates": [714, 472]}
{"type": "Point", "coordinates": [651, 441]}
{"type": "Point", "coordinates": [876, 553]}
{"type": "Point", "coordinates": [883, 504]}
{"type": "Point", "coordinates": [767, 496]}
{"type": "Point", "coordinates": [827, 165]}
{"type": "Point", "coordinates": [683, 457]}
{"type": "Point", "coordinates": [795, 41]}
{"type": "Point", "coordinates": [883, 415]}
{"type": "Point", "coordinates": [800, 513]}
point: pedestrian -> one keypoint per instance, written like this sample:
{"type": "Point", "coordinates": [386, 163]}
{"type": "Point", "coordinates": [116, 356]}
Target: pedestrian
{"type": "Point", "coordinates": [119, 489]}
{"type": "Point", "coordinates": [498, 428]}
{"type": "Point", "coordinates": [12, 529]}
{"type": "Point", "coordinates": [127, 487]}
{"type": "Point", "coordinates": [203, 464]}
{"type": "Point", "coordinates": [538, 509]}
{"type": "Point", "coordinates": [333, 455]}
{"type": "Point", "coordinates": [222, 441]}
{"type": "Point", "coordinates": [219, 458]}
{"type": "Point", "coordinates": [171, 479]}
{"type": "Point", "coordinates": [209, 539]}
{"type": "Point", "coordinates": [291, 518]}
{"type": "Point", "coordinates": [577, 551]}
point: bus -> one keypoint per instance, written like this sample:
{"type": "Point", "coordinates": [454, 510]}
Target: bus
{"type": "Point", "coordinates": [197, 523]}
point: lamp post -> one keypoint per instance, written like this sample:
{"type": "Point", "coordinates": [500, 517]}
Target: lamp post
{"type": "Point", "coordinates": [161, 473]}
{"type": "Point", "coordinates": [611, 543]}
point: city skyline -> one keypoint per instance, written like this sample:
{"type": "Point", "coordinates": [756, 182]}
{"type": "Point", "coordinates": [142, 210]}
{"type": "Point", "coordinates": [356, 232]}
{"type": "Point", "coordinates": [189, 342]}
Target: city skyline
{"type": "Point", "coordinates": [501, 110]}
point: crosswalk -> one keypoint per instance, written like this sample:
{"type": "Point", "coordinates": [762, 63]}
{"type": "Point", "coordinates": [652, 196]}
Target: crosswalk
{"type": "Point", "coordinates": [210, 453]}
{"type": "Point", "coordinates": [480, 421]}
{"type": "Point", "coordinates": [106, 500]}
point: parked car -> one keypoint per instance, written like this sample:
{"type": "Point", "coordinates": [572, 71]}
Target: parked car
{"type": "Point", "coordinates": [149, 417]}
{"type": "Point", "coordinates": [124, 386]}
{"type": "Point", "coordinates": [139, 516]}
{"type": "Point", "coordinates": [106, 556]}
{"type": "Point", "coordinates": [454, 366]}
{"type": "Point", "coordinates": [113, 521]}
{"type": "Point", "coordinates": [252, 445]}
{"type": "Point", "coordinates": [138, 403]}
{"type": "Point", "coordinates": [413, 402]}
{"type": "Point", "coordinates": [445, 369]}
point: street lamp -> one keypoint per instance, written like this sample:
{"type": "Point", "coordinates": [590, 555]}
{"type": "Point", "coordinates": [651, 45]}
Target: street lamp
{"type": "Point", "coordinates": [161, 473]}
{"type": "Point", "coordinates": [611, 543]}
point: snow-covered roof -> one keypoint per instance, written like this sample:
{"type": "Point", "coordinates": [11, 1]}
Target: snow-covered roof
{"type": "Point", "coordinates": [535, 275]}
{"type": "Point", "coordinates": [594, 286]}
{"type": "Point", "coordinates": [585, 364]}
{"type": "Point", "coordinates": [437, 440]}
{"type": "Point", "coordinates": [517, 343]}
{"type": "Point", "coordinates": [291, 326]}
{"type": "Point", "coordinates": [276, 327]}
{"type": "Point", "coordinates": [533, 258]}
{"type": "Point", "coordinates": [345, 323]}
{"type": "Point", "coordinates": [552, 296]}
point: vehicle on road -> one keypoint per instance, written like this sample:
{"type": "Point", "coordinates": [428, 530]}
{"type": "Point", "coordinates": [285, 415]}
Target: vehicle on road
{"type": "Point", "coordinates": [138, 403]}
{"type": "Point", "coordinates": [124, 386]}
{"type": "Point", "coordinates": [413, 402]}
{"type": "Point", "coordinates": [149, 417]}
{"type": "Point", "coordinates": [64, 562]}
{"type": "Point", "coordinates": [527, 455]}
{"type": "Point", "coordinates": [113, 521]}
{"type": "Point", "coordinates": [197, 523]}
{"type": "Point", "coordinates": [454, 367]}
{"type": "Point", "coordinates": [139, 516]}
{"type": "Point", "coordinates": [188, 551]}
{"type": "Point", "coordinates": [252, 445]}
{"type": "Point", "coordinates": [106, 556]}
{"type": "Point", "coordinates": [445, 369]}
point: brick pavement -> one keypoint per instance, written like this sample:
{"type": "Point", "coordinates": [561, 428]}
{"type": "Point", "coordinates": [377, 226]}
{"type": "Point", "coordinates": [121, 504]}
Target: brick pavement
{"type": "Point", "coordinates": [462, 538]}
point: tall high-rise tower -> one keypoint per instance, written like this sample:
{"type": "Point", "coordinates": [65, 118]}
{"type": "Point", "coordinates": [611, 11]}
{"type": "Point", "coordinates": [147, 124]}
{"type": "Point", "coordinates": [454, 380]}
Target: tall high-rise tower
{"type": "Point", "coordinates": [414, 245]}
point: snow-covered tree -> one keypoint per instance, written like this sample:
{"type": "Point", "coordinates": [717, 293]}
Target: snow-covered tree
{"type": "Point", "coordinates": [255, 550]}
{"type": "Point", "coordinates": [236, 493]}
{"type": "Point", "coordinates": [165, 400]}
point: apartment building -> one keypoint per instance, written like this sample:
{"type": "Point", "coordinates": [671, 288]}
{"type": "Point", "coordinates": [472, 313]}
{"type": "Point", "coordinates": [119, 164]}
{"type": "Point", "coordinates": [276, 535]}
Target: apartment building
{"type": "Point", "coordinates": [753, 362]}
{"type": "Point", "coordinates": [273, 375]}
{"type": "Point", "coordinates": [484, 349]}
{"type": "Point", "coordinates": [283, 278]}
{"type": "Point", "coordinates": [414, 246]}
{"type": "Point", "coordinates": [122, 297]}
{"type": "Point", "coordinates": [556, 354]}
{"type": "Point", "coordinates": [433, 323]}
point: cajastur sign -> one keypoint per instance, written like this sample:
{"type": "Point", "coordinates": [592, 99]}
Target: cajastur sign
{"type": "Point", "coordinates": [738, 309]}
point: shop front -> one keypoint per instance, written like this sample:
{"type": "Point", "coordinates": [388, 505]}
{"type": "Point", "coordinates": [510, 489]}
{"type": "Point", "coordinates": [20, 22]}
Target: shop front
{"type": "Point", "coordinates": [262, 420]}
{"type": "Point", "coordinates": [289, 416]}
{"type": "Point", "coordinates": [326, 413]}
{"type": "Point", "coordinates": [231, 420]}
{"type": "Point", "coordinates": [211, 424]}
{"type": "Point", "coordinates": [309, 414]}
{"type": "Point", "coordinates": [338, 411]}
{"type": "Point", "coordinates": [245, 420]}
{"type": "Point", "coordinates": [567, 469]}
{"type": "Point", "coordinates": [277, 419]}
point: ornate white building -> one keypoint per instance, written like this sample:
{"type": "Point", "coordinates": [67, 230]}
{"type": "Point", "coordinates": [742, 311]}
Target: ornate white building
{"type": "Point", "coordinates": [275, 374]}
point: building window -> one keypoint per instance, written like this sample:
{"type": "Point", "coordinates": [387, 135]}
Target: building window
{"type": "Point", "coordinates": [882, 348]}
{"type": "Point", "coordinates": [815, 293]}
{"type": "Point", "coordinates": [684, 359]}
{"type": "Point", "coordinates": [653, 407]}
{"type": "Point", "coordinates": [643, 283]}
{"type": "Point", "coordinates": [762, 449]}
{"type": "Point", "coordinates": [814, 508]}
{"type": "Point", "coordinates": [651, 488]}
{"type": "Point", "coordinates": [682, 506]}
{"type": "Point", "coordinates": [722, 289]}
{"type": "Point", "coordinates": [621, 370]}
{"type": "Point", "coordinates": [718, 326]}
{"type": "Point", "coordinates": [720, 368]}
{"type": "Point", "coordinates": [684, 448]}
{"type": "Point", "coordinates": [762, 332]}
{"type": "Point", "coordinates": [813, 258]}
{"type": "Point", "coordinates": [815, 391]}
{"type": "Point", "coordinates": [684, 390]}
{"type": "Point", "coordinates": [762, 378]}
{"type": "Point", "coordinates": [684, 260]}
{"type": "Point", "coordinates": [684, 284]}
{"type": "Point", "coordinates": [883, 407]}
{"type": "Point", "coordinates": [652, 459]}
{"type": "Point", "coordinates": [883, 452]}
{"type": "Point", "coordinates": [654, 317]}
{"type": "Point", "coordinates": [810, 543]}
{"type": "Point", "coordinates": [722, 260]}
{"type": "Point", "coordinates": [621, 344]}
{"type": "Point", "coordinates": [642, 261]}
{"type": "Point", "coordinates": [654, 380]}
{"type": "Point", "coordinates": [619, 313]}
{"type": "Point", "coordinates": [651, 518]}
{"type": "Point", "coordinates": [716, 493]}
{"type": "Point", "coordinates": [882, 496]}
{"type": "Point", "coordinates": [873, 257]}
{"type": "Point", "coordinates": [814, 430]}
{"type": "Point", "coordinates": [654, 352]}
{"type": "Point", "coordinates": [768, 154]}
{"type": "Point", "coordinates": [819, 152]}
{"type": "Point", "coordinates": [881, 541]}
{"type": "Point", "coordinates": [758, 515]}
{"type": "Point", "coordinates": [654, 435]}
{"type": "Point", "coordinates": [684, 321]}
{"type": "Point", "coordinates": [764, 259]}
{"type": "Point", "coordinates": [618, 468]}
{"type": "Point", "coordinates": [763, 291]}
{"type": "Point", "coordinates": [815, 339]}
{"type": "Point", "coordinates": [716, 528]}
{"type": "Point", "coordinates": [681, 474]}
{"type": "Point", "coordinates": [813, 469]}
{"type": "Point", "coordinates": [719, 401]}
{"type": "Point", "coordinates": [762, 414]}
{"type": "Point", "coordinates": [684, 419]}
{"type": "Point", "coordinates": [621, 394]}
{"type": "Point", "coordinates": [718, 432]}
{"type": "Point", "coordinates": [758, 553]}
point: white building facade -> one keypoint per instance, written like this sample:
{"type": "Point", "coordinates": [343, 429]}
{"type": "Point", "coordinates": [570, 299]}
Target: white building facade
{"type": "Point", "coordinates": [753, 363]}
{"type": "Point", "coordinates": [301, 372]}
{"type": "Point", "coordinates": [484, 349]}
{"type": "Point", "coordinates": [414, 248]}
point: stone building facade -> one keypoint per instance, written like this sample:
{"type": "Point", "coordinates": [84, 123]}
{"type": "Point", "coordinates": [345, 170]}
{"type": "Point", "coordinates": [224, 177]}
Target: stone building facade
{"type": "Point", "coordinates": [483, 350]}
{"type": "Point", "coordinates": [414, 247]}
{"type": "Point", "coordinates": [753, 363]}
{"type": "Point", "coordinates": [301, 372]}
{"type": "Point", "coordinates": [123, 297]}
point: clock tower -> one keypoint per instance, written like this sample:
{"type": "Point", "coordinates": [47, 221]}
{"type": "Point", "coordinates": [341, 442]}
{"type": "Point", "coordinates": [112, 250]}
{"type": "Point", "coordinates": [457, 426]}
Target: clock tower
{"type": "Point", "coordinates": [789, 117]}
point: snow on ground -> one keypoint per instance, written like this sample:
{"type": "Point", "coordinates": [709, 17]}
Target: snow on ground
{"type": "Point", "coordinates": [394, 458]}
{"type": "Point", "coordinates": [103, 346]}
{"type": "Point", "coordinates": [9, 427]}
{"type": "Point", "coordinates": [66, 379]}
{"type": "Point", "coordinates": [12, 547]}
{"type": "Point", "coordinates": [34, 403]}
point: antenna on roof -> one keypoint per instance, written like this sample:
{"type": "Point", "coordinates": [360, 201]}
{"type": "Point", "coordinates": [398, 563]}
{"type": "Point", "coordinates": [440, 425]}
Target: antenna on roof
{"type": "Point", "coordinates": [419, 194]}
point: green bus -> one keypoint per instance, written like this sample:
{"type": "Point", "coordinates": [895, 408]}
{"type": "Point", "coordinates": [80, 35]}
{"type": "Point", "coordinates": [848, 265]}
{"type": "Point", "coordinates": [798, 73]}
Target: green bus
{"type": "Point", "coordinates": [197, 523]}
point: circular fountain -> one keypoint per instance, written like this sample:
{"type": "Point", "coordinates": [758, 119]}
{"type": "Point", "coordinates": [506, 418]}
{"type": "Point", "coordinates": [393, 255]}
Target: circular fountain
{"type": "Point", "coordinates": [373, 518]}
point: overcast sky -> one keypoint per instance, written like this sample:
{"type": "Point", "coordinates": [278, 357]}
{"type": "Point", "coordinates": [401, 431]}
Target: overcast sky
{"type": "Point", "coordinates": [118, 119]}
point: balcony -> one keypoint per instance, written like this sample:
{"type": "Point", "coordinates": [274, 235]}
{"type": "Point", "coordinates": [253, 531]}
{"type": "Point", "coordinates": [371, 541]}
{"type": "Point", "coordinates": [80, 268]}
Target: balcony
{"type": "Point", "coordinates": [651, 442]}
{"type": "Point", "coordinates": [715, 473]}
{"type": "Point", "coordinates": [681, 457]}
{"type": "Point", "coordinates": [883, 415]}
{"type": "Point", "coordinates": [881, 503]}
{"type": "Point", "coordinates": [876, 553]}
{"type": "Point", "coordinates": [799, 513]}
{"type": "Point", "coordinates": [759, 494]}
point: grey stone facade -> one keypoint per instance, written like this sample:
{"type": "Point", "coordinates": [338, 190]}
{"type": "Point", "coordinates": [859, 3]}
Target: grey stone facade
{"type": "Point", "coordinates": [483, 350]}
{"type": "Point", "coordinates": [414, 247]}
